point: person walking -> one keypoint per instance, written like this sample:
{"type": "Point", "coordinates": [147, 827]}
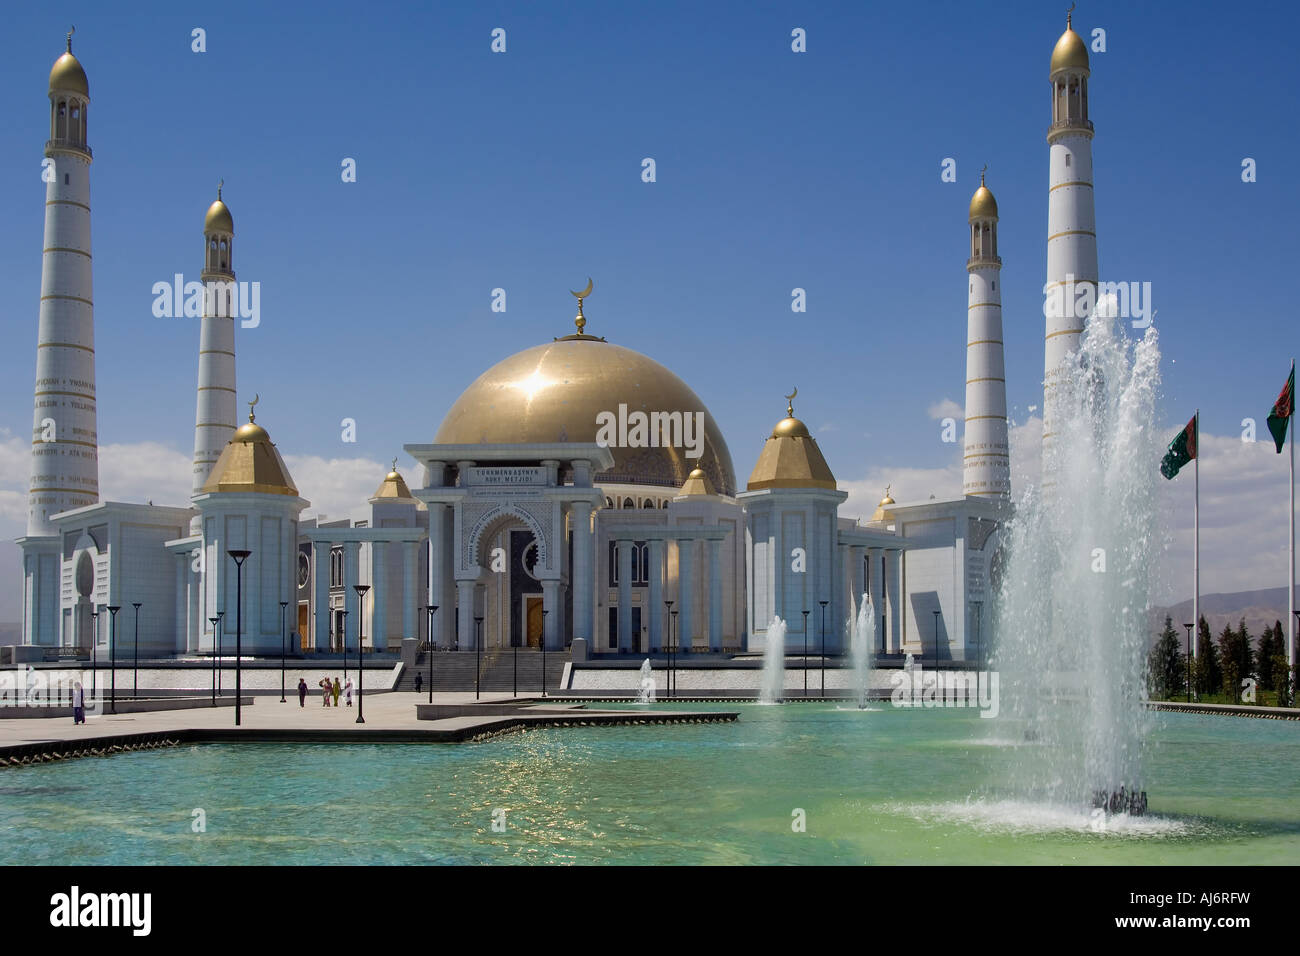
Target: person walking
{"type": "Point", "coordinates": [338, 687]}
{"type": "Point", "coordinates": [419, 681]}
{"type": "Point", "coordinates": [78, 703]}
{"type": "Point", "coordinates": [325, 687]}
{"type": "Point", "coordinates": [348, 691]}
{"type": "Point", "coordinates": [302, 692]}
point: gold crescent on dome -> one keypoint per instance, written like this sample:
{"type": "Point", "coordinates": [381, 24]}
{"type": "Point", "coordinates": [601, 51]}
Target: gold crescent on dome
{"type": "Point", "coordinates": [256, 397]}
{"type": "Point", "coordinates": [584, 293]}
{"type": "Point", "coordinates": [789, 402]}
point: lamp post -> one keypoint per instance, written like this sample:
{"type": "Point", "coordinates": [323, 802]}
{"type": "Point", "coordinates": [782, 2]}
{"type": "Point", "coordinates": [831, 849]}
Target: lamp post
{"type": "Point", "coordinates": [343, 629]}
{"type": "Point", "coordinates": [135, 653]}
{"type": "Point", "coordinates": [112, 652]}
{"type": "Point", "coordinates": [544, 613]}
{"type": "Point", "coordinates": [214, 622]}
{"type": "Point", "coordinates": [283, 605]}
{"type": "Point", "coordinates": [239, 555]}
{"type": "Point", "coordinates": [432, 609]}
{"type": "Point", "coordinates": [94, 650]}
{"type": "Point", "coordinates": [672, 656]}
{"type": "Point", "coordinates": [1188, 657]}
{"type": "Point", "coordinates": [663, 644]}
{"type": "Point", "coordinates": [221, 615]}
{"type": "Point", "coordinates": [361, 590]}
{"type": "Point", "coordinates": [805, 653]}
{"type": "Point", "coordinates": [822, 645]}
{"type": "Point", "coordinates": [478, 653]}
{"type": "Point", "coordinates": [514, 655]}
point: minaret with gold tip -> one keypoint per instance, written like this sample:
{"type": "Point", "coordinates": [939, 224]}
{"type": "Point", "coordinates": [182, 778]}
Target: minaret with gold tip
{"type": "Point", "coordinates": [1071, 220]}
{"type": "Point", "coordinates": [214, 420]}
{"type": "Point", "coordinates": [986, 468]}
{"type": "Point", "coordinates": [65, 452]}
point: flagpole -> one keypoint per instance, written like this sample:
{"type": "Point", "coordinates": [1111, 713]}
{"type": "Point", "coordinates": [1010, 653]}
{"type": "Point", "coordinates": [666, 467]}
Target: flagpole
{"type": "Point", "coordinates": [1290, 591]}
{"type": "Point", "coordinates": [1196, 538]}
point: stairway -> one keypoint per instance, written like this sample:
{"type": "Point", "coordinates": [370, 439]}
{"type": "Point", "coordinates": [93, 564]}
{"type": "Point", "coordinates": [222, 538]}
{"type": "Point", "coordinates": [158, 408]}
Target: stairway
{"type": "Point", "coordinates": [454, 671]}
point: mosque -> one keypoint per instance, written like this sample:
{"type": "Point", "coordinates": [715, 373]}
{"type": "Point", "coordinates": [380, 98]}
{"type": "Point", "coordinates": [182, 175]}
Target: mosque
{"type": "Point", "coordinates": [577, 494]}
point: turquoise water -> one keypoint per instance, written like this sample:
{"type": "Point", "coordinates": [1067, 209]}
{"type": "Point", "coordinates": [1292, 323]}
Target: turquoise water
{"type": "Point", "coordinates": [887, 786]}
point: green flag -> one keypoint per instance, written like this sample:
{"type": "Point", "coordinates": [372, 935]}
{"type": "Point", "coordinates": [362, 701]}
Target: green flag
{"type": "Point", "coordinates": [1181, 450]}
{"type": "Point", "coordinates": [1283, 408]}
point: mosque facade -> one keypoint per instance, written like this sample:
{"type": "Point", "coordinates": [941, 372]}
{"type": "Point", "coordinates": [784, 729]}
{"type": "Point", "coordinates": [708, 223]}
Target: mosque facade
{"type": "Point", "coordinates": [577, 495]}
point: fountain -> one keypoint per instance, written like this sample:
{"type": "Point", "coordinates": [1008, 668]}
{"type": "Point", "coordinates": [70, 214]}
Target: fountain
{"type": "Point", "coordinates": [1070, 623]}
{"type": "Point", "coordinates": [646, 695]}
{"type": "Point", "coordinates": [773, 686]}
{"type": "Point", "coordinates": [863, 648]}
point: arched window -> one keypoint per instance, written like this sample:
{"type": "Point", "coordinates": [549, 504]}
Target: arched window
{"type": "Point", "coordinates": [627, 503]}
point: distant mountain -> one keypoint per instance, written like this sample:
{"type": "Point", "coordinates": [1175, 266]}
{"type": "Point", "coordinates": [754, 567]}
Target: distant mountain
{"type": "Point", "coordinates": [11, 633]}
{"type": "Point", "coordinates": [1260, 609]}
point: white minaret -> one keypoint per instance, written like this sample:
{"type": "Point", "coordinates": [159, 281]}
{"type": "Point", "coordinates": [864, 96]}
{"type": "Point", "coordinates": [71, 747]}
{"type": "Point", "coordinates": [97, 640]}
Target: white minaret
{"type": "Point", "coordinates": [65, 448]}
{"type": "Point", "coordinates": [986, 467]}
{"type": "Point", "coordinates": [214, 419]}
{"type": "Point", "coordinates": [1071, 289]}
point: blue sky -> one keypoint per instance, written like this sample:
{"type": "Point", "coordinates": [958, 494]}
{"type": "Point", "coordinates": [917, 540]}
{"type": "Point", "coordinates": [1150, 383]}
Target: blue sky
{"type": "Point", "coordinates": [522, 171]}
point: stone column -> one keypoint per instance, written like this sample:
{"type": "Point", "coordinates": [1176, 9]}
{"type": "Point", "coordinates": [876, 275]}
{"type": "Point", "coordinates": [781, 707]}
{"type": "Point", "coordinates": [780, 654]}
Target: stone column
{"type": "Point", "coordinates": [410, 588]}
{"type": "Point", "coordinates": [321, 593]}
{"type": "Point", "coordinates": [624, 550]}
{"type": "Point", "coordinates": [873, 591]}
{"type": "Point", "coordinates": [686, 593]}
{"type": "Point", "coordinates": [657, 623]}
{"type": "Point", "coordinates": [857, 579]}
{"type": "Point", "coordinates": [580, 519]}
{"type": "Point", "coordinates": [715, 595]}
{"type": "Point", "coordinates": [465, 614]}
{"type": "Point", "coordinates": [351, 576]}
{"type": "Point", "coordinates": [893, 571]}
{"type": "Point", "coordinates": [439, 592]}
{"type": "Point", "coordinates": [182, 611]}
{"type": "Point", "coordinates": [551, 619]}
{"type": "Point", "coordinates": [840, 589]}
{"type": "Point", "coordinates": [378, 595]}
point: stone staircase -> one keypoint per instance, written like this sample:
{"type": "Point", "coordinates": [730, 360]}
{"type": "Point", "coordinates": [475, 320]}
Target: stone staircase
{"type": "Point", "coordinates": [454, 671]}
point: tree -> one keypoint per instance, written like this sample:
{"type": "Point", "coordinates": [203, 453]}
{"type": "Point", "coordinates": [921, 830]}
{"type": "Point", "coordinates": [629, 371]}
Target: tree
{"type": "Point", "coordinates": [1207, 676]}
{"type": "Point", "coordinates": [1269, 647]}
{"type": "Point", "coordinates": [1230, 661]}
{"type": "Point", "coordinates": [1247, 655]}
{"type": "Point", "coordinates": [1165, 665]}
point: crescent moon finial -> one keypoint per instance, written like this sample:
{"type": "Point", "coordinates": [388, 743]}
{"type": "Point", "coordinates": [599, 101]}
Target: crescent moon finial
{"type": "Point", "coordinates": [1067, 16]}
{"type": "Point", "coordinates": [789, 402]}
{"type": "Point", "coordinates": [71, 30]}
{"type": "Point", "coordinates": [394, 464]}
{"type": "Point", "coordinates": [255, 400]}
{"type": "Point", "coordinates": [580, 320]}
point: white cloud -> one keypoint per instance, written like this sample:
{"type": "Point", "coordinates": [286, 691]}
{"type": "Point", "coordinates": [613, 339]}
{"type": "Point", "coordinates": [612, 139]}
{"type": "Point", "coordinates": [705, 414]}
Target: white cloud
{"type": "Point", "coordinates": [336, 487]}
{"type": "Point", "coordinates": [946, 408]}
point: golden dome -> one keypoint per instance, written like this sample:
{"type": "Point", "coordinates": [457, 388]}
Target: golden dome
{"type": "Point", "coordinates": [393, 487]}
{"type": "Point", "coordinates": [982, 204]}
{"type": "Point", "coordinates": [697, 483]}
{"type": "Point", "coordinates": [250, 462]}
{"type": "Point", "coordinates": [553, 393]}
{"type": "Point", "coordinates": [881, 513]}
{"type": "Point", "coordinates": [1070, 53]}
{"type": "Point", "coordinates": [218, 218]}
{"type": "Point", "coordinates": [790, 459]}
{"type": "Point", "coordinates": [68, 75]}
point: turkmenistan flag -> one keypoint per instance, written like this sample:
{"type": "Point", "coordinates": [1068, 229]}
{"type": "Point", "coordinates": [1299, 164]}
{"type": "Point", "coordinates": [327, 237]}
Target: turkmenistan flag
{"type": "Point", "coordinates": [1283, 409]}
{"type": "Point", "coordinates": [1181, 450]}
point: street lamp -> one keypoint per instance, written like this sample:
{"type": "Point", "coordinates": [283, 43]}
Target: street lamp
{"type": "Point", "coordinates": [240, 556]}
{"type": "Point", "coordinates": [214, 621]}
{"type": "Point", "coordinates": [514, 660]}
{"type": "Point", "coordinates": [821, 642]}
{"type": "Point", "coordinates": [112, 651]}
{"type": "Point", "coordinates": [221, 615]}
{"type": "Point", "coordinates": [806, 612]}
{"type": "Point", "coordinates": [478, 652]}
{"type": "Point", "coordinates": [544, 613]}
{"type": "Point", "coordinates": [663, 645]}
{"type": "Point", "coordinates": [432, 609]}
{"type": "Point", "coordinates": [361, 590]}
{"type": "Point", "coordinates": [94, 651]}
{"type": "Point", "coordinates": [1188, 657]}
{"type": "Point", "coordinates": [672, 656]}
{"type": "Point", "coordinates": [283, 605]}
{"type": "Point", "coordinates": [135, 651]}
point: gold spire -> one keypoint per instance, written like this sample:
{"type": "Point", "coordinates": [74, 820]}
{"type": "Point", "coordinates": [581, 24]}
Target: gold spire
{"type": "Point", "coordinates": [256, 398]}
{"type": "Point", "coordinates": [1071, 53]}
{"type": "Point", "coordinates": [789, 402]}
{"type": "Point", "coordinates": [67, 74]}
{"type": "Point", "coordinates": [71, 30]}
{"type": "Point", "coordinates": [580, 320]}
{"type": "Point", "coordinates": [250, 462]}
{"type": "Point", "coordinates": [881, 514]}
{"type": "Point", "coordinates": [218, 218]}
{"type": "Point", "coordinates": [982, 204]}
{"type": "Point", "coordinates": [790, 457]}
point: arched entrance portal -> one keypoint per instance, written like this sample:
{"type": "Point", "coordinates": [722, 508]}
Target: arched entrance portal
{"type": "Point", "coordinates": [509, 553]}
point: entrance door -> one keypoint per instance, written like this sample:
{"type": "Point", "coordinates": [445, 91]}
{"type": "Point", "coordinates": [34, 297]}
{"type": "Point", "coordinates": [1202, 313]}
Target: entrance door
{"type": "Point", "coordinates": [304, 640]}
{"type": "Point", "coordinates": [534, 621]}
{"type": "Point", "coordinates": [636, 629]}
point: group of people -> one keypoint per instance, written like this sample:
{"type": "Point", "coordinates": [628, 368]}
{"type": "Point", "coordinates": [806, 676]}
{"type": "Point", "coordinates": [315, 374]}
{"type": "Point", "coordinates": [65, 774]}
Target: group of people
{"type": "Point", "coordinates": [328, 689]}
